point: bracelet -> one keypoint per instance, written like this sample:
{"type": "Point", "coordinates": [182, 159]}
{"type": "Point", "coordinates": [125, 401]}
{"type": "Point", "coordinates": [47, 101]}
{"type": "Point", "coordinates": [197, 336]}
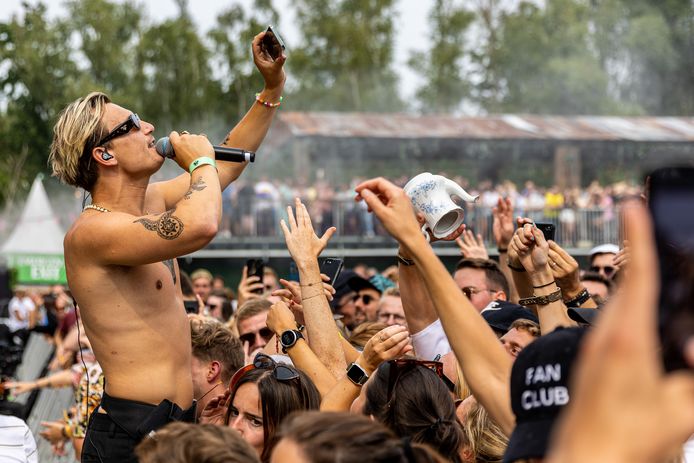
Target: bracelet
{"type": "Point", "coordinates": [515, 269]}
{"type": "Point", "coordinates": [579, 300]}
{"type": "Point", "coordinates": [541, 300]}
{"type": "Point", "coordinates": [544, 286]}
{"type": "Point", "coordinates": [202, 161]}
{"type": "Point", "coordinates": [311, 284]}
{"type": "Point", "coordinates": [501, 250]}
{"type": "Point", "coordinates": [267, 104]}
{"type": "Point", "coordinates": [311, 297]}
{"type": "Point", "coordinates": [405, 261]}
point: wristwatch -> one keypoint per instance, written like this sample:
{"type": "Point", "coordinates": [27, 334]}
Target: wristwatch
{"type": "Point", "coordinates": [289, 338]}
{"type": "Point", "coordinates": [357, 374]}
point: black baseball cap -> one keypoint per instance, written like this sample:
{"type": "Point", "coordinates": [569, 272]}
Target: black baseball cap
{"type": "Point", "coordinates": [540, 380]}
{"type": "Point", "coordinates": [501, 314]}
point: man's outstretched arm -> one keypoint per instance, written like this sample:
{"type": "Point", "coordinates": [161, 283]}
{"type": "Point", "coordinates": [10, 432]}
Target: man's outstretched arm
{"type": "Point", "coordinates": [248, 134]}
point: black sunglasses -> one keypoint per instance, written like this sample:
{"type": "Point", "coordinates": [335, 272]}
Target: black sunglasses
{"type": "Point", "coordinates": [365, 297]}
{"type": "Point", "coordinates": [609, 270]}
{"type": "Point", "coordinates": [121, 129]}
{"type": "Point", "coordinates": [264, 362]}
{"type": "Point", "coordinates": [265, 333]}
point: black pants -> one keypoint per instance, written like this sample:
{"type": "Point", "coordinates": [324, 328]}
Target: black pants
{"type": "Point", "coordinates": [112, 437]}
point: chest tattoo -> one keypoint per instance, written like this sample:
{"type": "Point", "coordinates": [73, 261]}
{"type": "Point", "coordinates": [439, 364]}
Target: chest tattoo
{"type": "Point", "coordinates": [170, 265]}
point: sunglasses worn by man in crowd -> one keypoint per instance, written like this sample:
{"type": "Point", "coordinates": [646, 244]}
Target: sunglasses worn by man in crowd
{"type": "Point", "coordinates": [265, 333]}
{"type": "Point", "coordinates": [607, 269]}
{"type": "Point", "coordinates": [470, 291]}
{"type": "Point", "coordinates": [364, 297]}
{"type": "Point", "coordinates": [133, 121]}
{"type": "Point", "coordinates": [400, 367]}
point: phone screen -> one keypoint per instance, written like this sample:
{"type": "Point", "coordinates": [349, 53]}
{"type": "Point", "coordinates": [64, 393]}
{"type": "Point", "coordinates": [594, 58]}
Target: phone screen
{"type": "Point", "coordinates": [547, 229]}
{"type": "Point", "coordinates": [671, 196]}
{"type": "Point", "coordinates": [331, 266]}
{"type": "Point", "coordinates": [256, 267]}
{"type": "Point", "coordinates": [191, 306]}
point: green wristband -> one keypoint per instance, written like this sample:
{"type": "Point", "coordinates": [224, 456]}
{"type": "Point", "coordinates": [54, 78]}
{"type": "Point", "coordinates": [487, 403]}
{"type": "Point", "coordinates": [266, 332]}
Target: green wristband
{"type": "Point", "coordinates": [201, 161]}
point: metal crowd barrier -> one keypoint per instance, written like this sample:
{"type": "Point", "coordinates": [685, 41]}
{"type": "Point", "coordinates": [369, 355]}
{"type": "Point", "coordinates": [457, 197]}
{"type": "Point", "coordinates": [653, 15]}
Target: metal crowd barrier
{"type": "Point", "coordinates": [575, 228]}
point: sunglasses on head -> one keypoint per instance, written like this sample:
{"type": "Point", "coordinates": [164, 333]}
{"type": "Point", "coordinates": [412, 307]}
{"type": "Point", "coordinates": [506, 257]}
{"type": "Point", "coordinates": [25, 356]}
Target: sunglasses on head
{"type": "Point", "coordinates": [265, 333]}
{"type": "Point", "coordinates": [121, 129]}
{"type": "Point", "coordinates": [400, 367]}
{"type": "Point", "coordinates": [608, 269]}
{"type": "Point", "coordinates": [364, 297]}
{"type": "Point", "coordinates": [264, 362]}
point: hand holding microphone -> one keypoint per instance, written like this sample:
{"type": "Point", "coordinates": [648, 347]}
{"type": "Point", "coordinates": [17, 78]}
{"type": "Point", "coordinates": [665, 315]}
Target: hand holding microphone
{"type": "Point", "coordinates": [188, 148]}
{"type": "Point", "coordinates": [222, 153]}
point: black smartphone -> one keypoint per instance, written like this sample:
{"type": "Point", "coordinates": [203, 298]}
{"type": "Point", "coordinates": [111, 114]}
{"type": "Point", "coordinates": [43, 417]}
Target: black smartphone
{"type": "Point", "coordinates": [670, 197]}
{"type": "Point", "coordinates": [191, 306]}
{"type": "Point", "coordinates": [272, 43]}
{"type": "Point", "coordinates": [331, 266]}
{"type": "Point", "coordinates": [255, 267]}
{"type": "Point", "coordinates": [547, 229]}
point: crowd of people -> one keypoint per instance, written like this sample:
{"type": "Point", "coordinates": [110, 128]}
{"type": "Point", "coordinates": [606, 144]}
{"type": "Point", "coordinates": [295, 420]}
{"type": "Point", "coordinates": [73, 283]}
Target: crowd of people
{"type": "Point", "coordinates": [523, 358]}
{"type": "Point", "coordinates": [584, 216]}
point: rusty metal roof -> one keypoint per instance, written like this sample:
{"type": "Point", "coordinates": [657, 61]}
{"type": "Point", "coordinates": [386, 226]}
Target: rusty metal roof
{"type": "Point", "coordinates": [509, 127]}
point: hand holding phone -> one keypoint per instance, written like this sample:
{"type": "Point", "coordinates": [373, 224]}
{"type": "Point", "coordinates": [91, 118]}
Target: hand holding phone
{"type": "Point", "coordinates": [331, 266]}
{"type": "Point", "coordinates": [548, 230]}
{"type": "Point", "coordinates": [272, 44]}
{"type": "Point", "coordinates": [256, 267]}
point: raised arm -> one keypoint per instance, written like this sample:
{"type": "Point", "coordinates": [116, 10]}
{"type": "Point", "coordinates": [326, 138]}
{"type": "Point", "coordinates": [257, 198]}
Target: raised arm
{"type": "Point", "coordinates": [503, 229]}
{"type": "Point", "coordinates": [305, 247]}
{"type": "Point", "coordinates": [485, 364]}
{"type": "Point", "coordinates": [533, 251]}
{"type": "Point", "coordinates": [281, 319]}
{"type": "Point", "coordinates": [118, 238]}
{"type": "Point", "coordinates": [248, 134]}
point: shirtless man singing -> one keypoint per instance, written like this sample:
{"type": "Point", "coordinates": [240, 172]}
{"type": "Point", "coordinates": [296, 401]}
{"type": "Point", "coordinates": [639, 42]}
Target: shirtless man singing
{"type": "Point", "coordinates": [120, 254]}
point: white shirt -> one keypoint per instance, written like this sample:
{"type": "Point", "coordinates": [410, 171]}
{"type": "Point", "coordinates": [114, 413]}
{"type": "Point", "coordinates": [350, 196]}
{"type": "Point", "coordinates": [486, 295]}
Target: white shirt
{"type": "Point", "coordinates": [17, 444]}
{"type": "Point", "coordinates": [431, 341]}
{"type": "Point", "coordinates": [24, 307]}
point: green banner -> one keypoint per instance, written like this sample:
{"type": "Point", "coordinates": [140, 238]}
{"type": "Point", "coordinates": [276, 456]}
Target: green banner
{"type": "Point", "coordinates": [38, 269]}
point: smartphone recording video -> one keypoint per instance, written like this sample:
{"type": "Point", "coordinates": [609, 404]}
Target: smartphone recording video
{"type": "Point", "coordinates": [272, 43]}
{"type": "Point", "coordinates": [547, 229]}
{"type": "Point", "coordinates": [670, 197]}
{"type": "Point", "coordinates": [331, 266]}
{"type": "Point", "coordinates": [255, 267]}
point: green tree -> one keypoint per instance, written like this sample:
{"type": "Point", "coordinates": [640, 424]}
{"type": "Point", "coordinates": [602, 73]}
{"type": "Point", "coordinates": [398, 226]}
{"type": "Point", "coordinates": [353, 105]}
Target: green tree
{"type": "Point", "coordinates": [232, 57]}
{"type": "Point", "coordinates": [441, 65]}
{"type": "Point", "coordinates": [38, 77]}
{"type": "Point", "coordinates": [173, 83]}
{"type": "Point", "coordinates": [345, 59]}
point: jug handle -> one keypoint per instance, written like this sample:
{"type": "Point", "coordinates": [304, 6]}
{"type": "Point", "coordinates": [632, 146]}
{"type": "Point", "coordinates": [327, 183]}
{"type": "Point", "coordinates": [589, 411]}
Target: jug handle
{"type": "Point", "coordinates": [426, 233]}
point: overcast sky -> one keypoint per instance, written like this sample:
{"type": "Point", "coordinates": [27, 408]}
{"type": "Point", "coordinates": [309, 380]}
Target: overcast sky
{"type": "Point", "coordinates": [411, 24]}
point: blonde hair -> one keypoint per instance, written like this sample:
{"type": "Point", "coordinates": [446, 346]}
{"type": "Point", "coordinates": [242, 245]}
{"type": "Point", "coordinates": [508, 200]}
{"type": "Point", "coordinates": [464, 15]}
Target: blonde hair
{"type": "Point", "coordinates": [75, 135]}
{"type": "Point", "coordinates": [365, 331]}
{"type": "Point", "coordinates": [485, 440]}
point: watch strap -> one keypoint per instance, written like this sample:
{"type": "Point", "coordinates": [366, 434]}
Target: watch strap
{"type": "Point", "coordinates": [541, 300]}
{"type": "Point", "coordinates": [357, 374]}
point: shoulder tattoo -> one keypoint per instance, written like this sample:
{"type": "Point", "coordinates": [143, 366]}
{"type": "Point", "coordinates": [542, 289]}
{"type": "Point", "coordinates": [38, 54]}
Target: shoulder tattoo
{"type": "Point", "coordinates": [168, 226]}
{"type": "Point", "coordinates": [198, 185]}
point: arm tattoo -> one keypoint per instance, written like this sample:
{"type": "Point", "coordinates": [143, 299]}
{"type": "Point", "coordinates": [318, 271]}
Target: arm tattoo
{"type": "Point", "coordinates": [170, 265]}
{"type": "Point", "coordinates": [198, 185]}
{"type": "Point", "coordinates": [168, 226]}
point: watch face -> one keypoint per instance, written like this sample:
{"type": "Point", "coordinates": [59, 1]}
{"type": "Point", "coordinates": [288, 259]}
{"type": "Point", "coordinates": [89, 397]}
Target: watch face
{"type": "Point", "coordinates": [356, 374]}
{"type": "Point", "coordinates": [288, 338]}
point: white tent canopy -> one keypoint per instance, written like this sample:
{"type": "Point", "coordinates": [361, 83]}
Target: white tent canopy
{"type": "Point", "coordinates": [38, 230]}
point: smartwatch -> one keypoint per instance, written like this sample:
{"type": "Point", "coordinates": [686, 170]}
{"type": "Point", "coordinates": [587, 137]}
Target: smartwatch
{"type": "Point", "coordinates": [289, 338]}
{"type": "Point", "coordinates": [357, 374]}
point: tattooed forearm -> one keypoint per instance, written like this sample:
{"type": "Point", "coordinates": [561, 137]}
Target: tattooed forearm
{"type": "Point", "coordinates": [197, 185]}
{"type": "Point", "coordinates": [168, 226]}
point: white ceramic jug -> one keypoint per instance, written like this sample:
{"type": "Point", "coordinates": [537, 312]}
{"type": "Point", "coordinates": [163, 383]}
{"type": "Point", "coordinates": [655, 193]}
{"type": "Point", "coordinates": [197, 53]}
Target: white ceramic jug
{"type": "Point", "coordinates": [432, 196]}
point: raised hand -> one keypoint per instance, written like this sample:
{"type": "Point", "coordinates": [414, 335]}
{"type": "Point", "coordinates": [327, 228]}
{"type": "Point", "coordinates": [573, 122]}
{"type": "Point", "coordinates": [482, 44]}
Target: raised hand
{"type": "Point", "coordinates": [502, 224]}
{"type": "Point", "coordinates": [531, 247]}
{"type": "Point", "coordinates": [280, 318]}
{"type": "Point", "coordinates": [272, 70]}
{"type": "Point", "coordinates": [387, 344]}
{"type": "Point", "coordinates": [392, 207]}
{"type": "Point", "coordinates": [302, 242]}
{"type": "Point", "coordinates": [248, 286]}
{"type": "Point", "coordinates": [623, 407]}
{"type": "Point", "coordinates": [565, 270]}
{"type": "Point", "coordinates": [471, 246]}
